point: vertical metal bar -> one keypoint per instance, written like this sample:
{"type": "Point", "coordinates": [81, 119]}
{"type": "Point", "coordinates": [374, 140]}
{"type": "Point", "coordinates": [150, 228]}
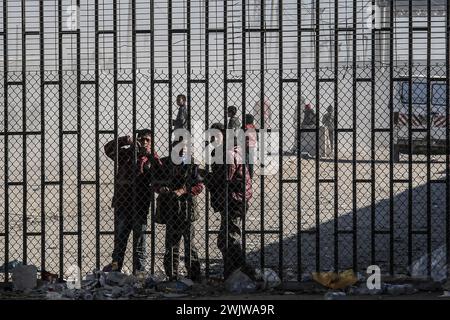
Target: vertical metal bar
{"type": "Point", "coordinates": [115, 85]}
{"type": "Point", "coordinates": [188, 62]}
{"type": "Point", "coordinates": [262, 81]}
{"type": "Point", "coordinates": [447, 137]}
{"type": "Point", "coordinates": [225, 100]}
{"type": "Point", "coordinates": [410, 84]}
{"type": "Point", "coordinates": [42, 103]}
{"type": "Point", "coordinates": [5, 119]}
{"type": "Point", "coordinates": [317, 90]}
{"type": "Point", "coordinates": [207, 235]}
{"type": "Point", "coordinates": [115, 98]}
{"type": "Point", "coordinates": [170, 52]}
{"type": "Point", "coordinates": [133, 101]}
{"type": "Point", "coordinates": [354, 102]}
{"type": "Point", "coordinates": [188, 100]}
{"type": "Point", "coordinates": [61, 139]}
{"type": "Point", "coordinates": [24, 136]}
{"type": "Point", "coordinates": [133, 61]}
{"type": "Point", "coordinates": [152, 122]}
{"type": "Point", "coordinates": [169, 100]}
{"type": "Point", "coordinates": [335, 138]}
{"type": "Point", "coordinates": [79, 187]}
{"type": "Point", "coordinates": [97, 143]}
{"type": "Point", "coordinates": [244, 106]}
{"type": "Point", "coordinates": [428, 137]}
{"type": "Point", "coordinates": [372, 125]}
{"type": "Point", "coordinates": [391, 145]}
{"type": "Point", "coordinates": [280, 137]}
{"type": "Point", "coordinates": [297, 142]}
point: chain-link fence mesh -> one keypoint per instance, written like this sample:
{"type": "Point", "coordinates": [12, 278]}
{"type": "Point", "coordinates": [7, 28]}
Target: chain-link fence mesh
{"type": "Point", "coordinates": [347, 104]}
{"type": "Point", "coordinates": [338, 199]}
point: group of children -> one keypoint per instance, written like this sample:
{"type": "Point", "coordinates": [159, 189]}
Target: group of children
{"type": "Point", "coordinates": [141, 174]}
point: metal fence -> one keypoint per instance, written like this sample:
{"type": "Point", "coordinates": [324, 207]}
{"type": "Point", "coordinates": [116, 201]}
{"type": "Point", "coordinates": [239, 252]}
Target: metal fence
{"type": "Point", "coordinates": [356, 200]}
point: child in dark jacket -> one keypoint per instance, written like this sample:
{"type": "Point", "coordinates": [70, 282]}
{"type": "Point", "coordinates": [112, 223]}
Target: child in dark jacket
{"type": "Point", "coordinates": [178, 186]}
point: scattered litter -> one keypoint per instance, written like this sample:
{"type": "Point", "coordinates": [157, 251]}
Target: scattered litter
{"type": "Point", "coordinates": [175, 295]}
{"type": "Point", "coordinates": [73, 294]}
{"type": "Point", "coordinates": [360, 276]}
{"type": "Point", "coordinates": [446, 294]}
{"type": "Point", "coordinates": [239, 282]}
{"type": "Point", "coordinates": [24, 277]}
{"type": "Point", "coordinates": [438, 265]}
{"type": "Point", "coordinates": [116, 292]}
{"type": "Point", "coordinates": [333, 295]}
{"type": "Point", "coordinates": [429, 286]}
{"type": "Point", "coordinates": [172, 286]}
{"type": "Point", "coordinates": [49, 277]}
{"type": "Point", "coordinates": [334, 280]}
{"type": "Point", "coordinates": [11, 265]}
{"type": "Point", "coordinates": [307, 277]}
{"type": "Point", "coordinates": [400, 289]}
{"type": "Point", "coordinates": [269, 277]}
{"type": "Point", "coordinates": [119, 279]}
{"type": "Point", "coordinates": [150, 283]}
{"type": "Point", "coordinates": [364, 291]}
{"type": "Point", "coordinates": [446, 286]}
{"type": "Point", "coordinates": [159, 275]}
{"type": "Point", "coordinates": [187, 282]}
{"type": "Point", "coordinates": [99, 295]}
{"type": "Point", "coordinates": [54, 296]}
{"type": "Point", "coordinates": [87, 296]}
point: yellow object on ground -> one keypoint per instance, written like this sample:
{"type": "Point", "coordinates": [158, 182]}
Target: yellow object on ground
{"type": "Point", "coordinates": [334, 280]}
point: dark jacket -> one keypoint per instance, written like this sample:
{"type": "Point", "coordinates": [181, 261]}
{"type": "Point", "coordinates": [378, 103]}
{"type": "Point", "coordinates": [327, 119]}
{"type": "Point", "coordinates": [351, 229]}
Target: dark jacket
{"type": "Point", "coordinates": [310, 118]}
{"type": "Point", "coordinates": [132, 184]}
{"type": "Point", "coordinates": [234, 123]}
{"type": "Point", "coordinates": [233, 174]}
{"type": "Point", "coordinates": [181, 122]}
{"type": "Point", "coordinates": [170, 207]}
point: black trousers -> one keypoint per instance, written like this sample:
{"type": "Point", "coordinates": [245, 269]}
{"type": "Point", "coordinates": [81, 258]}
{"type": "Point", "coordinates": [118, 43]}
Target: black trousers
{"type": "Point", "coordinates": [129, 219]}
{"type": "Point", "coordinates": [229, 240]}
{"type": "Point", "coordinates": [175, 230]}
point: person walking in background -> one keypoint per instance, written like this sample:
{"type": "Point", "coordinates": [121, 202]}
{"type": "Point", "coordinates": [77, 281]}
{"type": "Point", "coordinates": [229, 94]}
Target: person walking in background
{"type": "Point", "coordinates": [181, 122]}
{"type": "Point", "coordinates": [328, 122]}
{"type": "Point", "coordinates": [233, 122]}
{"type": "Point", "coordinates": [309, 119]}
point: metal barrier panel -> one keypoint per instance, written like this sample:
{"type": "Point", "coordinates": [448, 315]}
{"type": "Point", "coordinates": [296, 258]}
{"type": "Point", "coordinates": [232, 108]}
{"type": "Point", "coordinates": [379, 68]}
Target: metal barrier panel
{"type": "Point", "coordinates": [346, 104]}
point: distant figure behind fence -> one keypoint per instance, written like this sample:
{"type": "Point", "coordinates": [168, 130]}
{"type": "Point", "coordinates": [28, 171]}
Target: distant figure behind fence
{"type": "Point", "coordinates": [181, 122]}
{"type": "Point", "coordinates": [328, 122]}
